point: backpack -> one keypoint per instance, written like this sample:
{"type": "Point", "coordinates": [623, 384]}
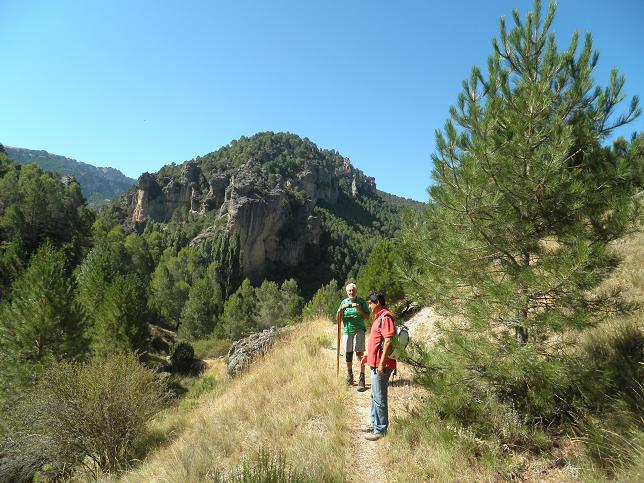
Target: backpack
{"type": "Point", "coordinates": [401, 337]}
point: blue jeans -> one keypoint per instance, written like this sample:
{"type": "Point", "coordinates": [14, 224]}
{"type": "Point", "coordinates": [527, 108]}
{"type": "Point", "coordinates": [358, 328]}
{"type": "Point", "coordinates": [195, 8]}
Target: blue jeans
{"type": "Point", "coordinates": [379, 407]}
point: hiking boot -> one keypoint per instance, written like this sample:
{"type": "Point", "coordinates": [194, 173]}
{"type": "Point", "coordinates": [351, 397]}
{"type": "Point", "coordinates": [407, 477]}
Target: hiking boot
{"type": "Point", "coordinates": [361, 385]}
{"type": "Point", "coordinates": [374, 436]}
{"type": "Point", "coordinates": [367, 429]}
{"type": "Point", "coordinates": [350, 380]}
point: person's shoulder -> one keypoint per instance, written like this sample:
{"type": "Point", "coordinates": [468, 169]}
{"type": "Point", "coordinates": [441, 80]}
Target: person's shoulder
{"type": "Point", "coordinates": [386, 315]}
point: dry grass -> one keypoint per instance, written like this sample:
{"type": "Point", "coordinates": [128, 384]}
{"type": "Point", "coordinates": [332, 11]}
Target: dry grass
{"type": "Point", "coordinates": [434, 453]}
{"type": "Point", "coordinates": [417, 448]}
{"type": "Point", "coordinates": [290, 404]}
{"type": "Point", "coordinates": [630, 274]}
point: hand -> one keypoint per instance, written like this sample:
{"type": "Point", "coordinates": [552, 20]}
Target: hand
{"type": "Point", "coordinates": [381, 370]}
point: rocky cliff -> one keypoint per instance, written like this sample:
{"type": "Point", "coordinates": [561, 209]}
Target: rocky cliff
{"type": "Point", "coordinates": [267, 198]}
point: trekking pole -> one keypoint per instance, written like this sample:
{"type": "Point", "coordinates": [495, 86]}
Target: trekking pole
{"type": "Point", "coordinates": [337, 357]}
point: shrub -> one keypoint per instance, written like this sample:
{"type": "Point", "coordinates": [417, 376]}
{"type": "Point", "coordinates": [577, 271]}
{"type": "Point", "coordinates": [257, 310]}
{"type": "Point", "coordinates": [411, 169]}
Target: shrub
{"type": "Point", "coordinates": [324, 303]}
{"type": "Point", "coordinates": [267, 469]}
{"type": "Point", "coordinates": [88, 415]}
{"type": "Point", "coordinates": [614, 442]}
{"type": "Point", "coordinates": [612, 365]}
{"type": "Point", "coordinates": [313, 344]}
{"type": "Point", "coordinates": [183, 357]}
{"type": "Point", "coordinates": [610, 397]}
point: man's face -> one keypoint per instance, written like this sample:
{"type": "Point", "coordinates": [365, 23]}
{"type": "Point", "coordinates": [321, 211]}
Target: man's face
{"type": "Point", "coordinates": [372, 306]}
{"type": "Point", "coordinates": [351, 292]}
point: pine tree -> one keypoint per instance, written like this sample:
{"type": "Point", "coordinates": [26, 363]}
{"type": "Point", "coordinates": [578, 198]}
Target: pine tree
{"type": "Point", "coordinates": [239, 314]}
{"type": "Point", "coordinates": [41, 323]}
{"type": "Point", "coordinates": [525, 204]}
{"type": "Point", "coordinates": [201, 312]}
{"type": "Point", "coordinates": [379, 274]}
{"type": "Point", "coordinates": [120, 322]}
{"type": "Point", "coordinates": [291, 302]}
{"type": "Point", "coordinates": [324, 302]}
{"type": "Point", "coordinates": [97, 271]}
{"type": "Point", "coordinates": [269, 307]}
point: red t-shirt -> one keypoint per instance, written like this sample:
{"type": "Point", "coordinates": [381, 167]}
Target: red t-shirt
{"type": "Point", "coordinates": [379, 332]}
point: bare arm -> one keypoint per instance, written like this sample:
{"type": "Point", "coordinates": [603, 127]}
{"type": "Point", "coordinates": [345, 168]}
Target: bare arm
{"type": "Point", "coordinates": [386, 352]}
{"type": "Point", "coordinates": [363, 314]}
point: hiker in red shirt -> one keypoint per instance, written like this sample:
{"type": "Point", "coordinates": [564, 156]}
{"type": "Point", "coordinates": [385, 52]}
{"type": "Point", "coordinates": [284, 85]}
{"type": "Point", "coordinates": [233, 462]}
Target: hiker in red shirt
{"type": "Point", "coordinates": [378, 352]}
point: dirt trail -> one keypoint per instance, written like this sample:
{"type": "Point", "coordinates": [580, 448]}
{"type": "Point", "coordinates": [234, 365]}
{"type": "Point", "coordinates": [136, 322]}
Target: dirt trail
{"type": "Point", "coordinates": [362, 462]}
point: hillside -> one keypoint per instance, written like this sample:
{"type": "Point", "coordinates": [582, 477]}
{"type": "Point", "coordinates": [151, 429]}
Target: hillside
{"type": "Point", "coordinates": [229, 426]}
{"type": "Point", "coordinates": [273, 206]}
{"type": "Point", "coordinates": [99, 185]}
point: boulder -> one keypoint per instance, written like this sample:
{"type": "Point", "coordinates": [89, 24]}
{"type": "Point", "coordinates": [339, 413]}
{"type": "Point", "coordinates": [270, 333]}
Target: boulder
{"type": "Point", "coordinates": [244, 351]}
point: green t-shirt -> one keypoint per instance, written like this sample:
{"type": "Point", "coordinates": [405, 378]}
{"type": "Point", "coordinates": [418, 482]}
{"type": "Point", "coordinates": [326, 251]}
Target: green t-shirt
{"type": "Point", "coordinates": [351, 317]}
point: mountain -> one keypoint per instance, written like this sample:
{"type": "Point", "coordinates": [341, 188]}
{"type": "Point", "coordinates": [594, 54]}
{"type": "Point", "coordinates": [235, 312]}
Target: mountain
{"type": "Point", "coordinates": [99, 185]}
{"type": "Point", "coordinates": [272, 206]}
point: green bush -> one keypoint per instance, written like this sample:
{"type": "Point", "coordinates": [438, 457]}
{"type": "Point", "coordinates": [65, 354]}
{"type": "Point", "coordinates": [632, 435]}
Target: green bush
{"type": "Point", "coordinates": [81, 415]}
{"type": "Point", "coordinates": [612, 366]}
{"type": "Point", "coordinates": [615, 441]}
{"type": "Point", "coordinates": [324, 303]}
{"type": "Point", "coordinates": [496, 412]}
{"type": "Point", "coordinates": [182, 357]}
{"type": "Point", "coordinates": [313, 344]}
{"type": "Point", "coordinates": [610, 398]}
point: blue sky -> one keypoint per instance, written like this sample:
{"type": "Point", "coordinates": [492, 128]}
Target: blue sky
{"type": "Point", "coordinates": [139, 84]}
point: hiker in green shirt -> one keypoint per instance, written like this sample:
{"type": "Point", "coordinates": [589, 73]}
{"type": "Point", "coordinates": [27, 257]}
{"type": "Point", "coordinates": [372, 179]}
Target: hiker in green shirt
{"type": "Point", "coordinates": [352, 312]}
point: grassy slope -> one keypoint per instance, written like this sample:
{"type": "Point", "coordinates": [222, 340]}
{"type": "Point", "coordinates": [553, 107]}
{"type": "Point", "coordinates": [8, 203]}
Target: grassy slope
{"type": "Point", "coordinates": [432, 452]}
{"type": "Point", "coordinates": [291, 403]}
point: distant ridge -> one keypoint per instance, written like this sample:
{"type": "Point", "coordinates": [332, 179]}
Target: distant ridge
{"type": "Point", "coordinates": [98, 184]}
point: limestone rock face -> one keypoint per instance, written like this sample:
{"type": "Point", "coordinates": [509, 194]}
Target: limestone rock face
{"type": "Point", "coordinates": [244, 351]}
{"type": "Point", "coordinates": [146, 201]}
{"type": "Point", "coordinates": [271, 231]}
{"type": "Point", "coordinates": [216, 193]}
{"type": "Point", "coordinates": [157, 201]}
{"type": "Point", "coordinates": [272, 215]}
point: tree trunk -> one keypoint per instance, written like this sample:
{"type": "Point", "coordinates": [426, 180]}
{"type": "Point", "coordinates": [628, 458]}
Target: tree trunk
{"type": "Point", "coordinates": [521, 331]}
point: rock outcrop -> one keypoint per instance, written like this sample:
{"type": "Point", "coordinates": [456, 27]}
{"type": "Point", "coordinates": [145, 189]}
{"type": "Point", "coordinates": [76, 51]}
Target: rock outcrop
{"type": "Point", "coordinates": [157, 200]}
{"type": "Point", "coordinates": [272, 214]}
{"type": "Point", "coordinates": [244, 351]}
{"type": "Point", "coordinates": [272, 229]}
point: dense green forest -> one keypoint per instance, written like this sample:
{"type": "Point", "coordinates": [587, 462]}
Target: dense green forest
{"type": "Point", "coordinates": [515, 249]}
{"type": "Point", "coordinates": [98, 185]}
{"type": "Point", "coordinates": [350, 225]}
